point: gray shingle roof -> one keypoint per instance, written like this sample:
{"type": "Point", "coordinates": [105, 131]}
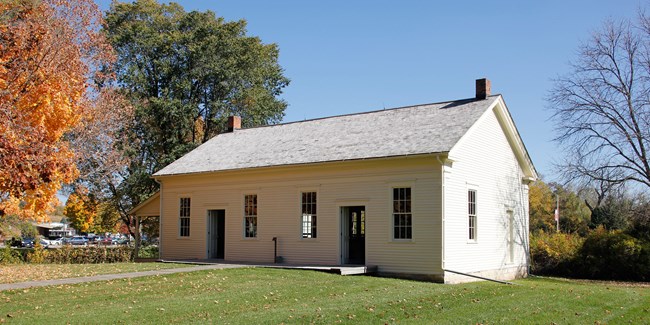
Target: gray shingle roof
{"type": "Point", "coordinates": [422, 129]}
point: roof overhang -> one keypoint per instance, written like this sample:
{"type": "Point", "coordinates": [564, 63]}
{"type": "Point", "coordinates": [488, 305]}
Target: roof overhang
{"type": "Point", "coordinates": [152, 204]}
{"type": "Point", "coordinates": [512, 134]}
{"type": "Point", "coordinates": [440, 155]}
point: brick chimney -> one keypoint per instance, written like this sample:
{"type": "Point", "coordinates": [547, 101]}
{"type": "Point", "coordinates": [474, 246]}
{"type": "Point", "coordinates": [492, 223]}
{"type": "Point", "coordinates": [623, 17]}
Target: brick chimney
{"type": "Point", "coordinates": [482, 88]}
{"type": "Point", "coordinates": [234, 123]}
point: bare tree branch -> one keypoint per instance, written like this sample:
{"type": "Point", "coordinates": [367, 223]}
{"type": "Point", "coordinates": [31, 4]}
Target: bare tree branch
{"type": "Point", "coordinates": [602, 109]}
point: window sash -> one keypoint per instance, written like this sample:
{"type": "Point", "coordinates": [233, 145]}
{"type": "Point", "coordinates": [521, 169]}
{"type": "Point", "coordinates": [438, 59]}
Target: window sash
{"type": "Point", "coordinates": [250, 215]}
{"type": "Point", "coordinates": [402, 216]}
{"type": "Point", "coordinates": [471, 213]}
{"type": "Point", "coordinates": [309, 218]}
{"type": "Point", "coordinates": [184, 217]}
{"type": "Point", "coordinates": [309, 223]}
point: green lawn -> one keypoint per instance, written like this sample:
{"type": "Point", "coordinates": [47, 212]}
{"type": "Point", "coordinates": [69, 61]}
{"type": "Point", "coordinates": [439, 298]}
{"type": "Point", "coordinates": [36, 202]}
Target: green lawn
{"type": "Point", "coordinates": [34, 272]}
{"type": "Point", "coordinates": [252, 296]}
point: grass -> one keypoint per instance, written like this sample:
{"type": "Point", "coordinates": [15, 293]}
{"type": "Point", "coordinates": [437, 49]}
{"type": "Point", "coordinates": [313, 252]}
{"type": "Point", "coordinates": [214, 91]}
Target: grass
{"type": "Point", "coordinates": [35, 272]}
{"type": "Point", "coordinates": [272, 296]}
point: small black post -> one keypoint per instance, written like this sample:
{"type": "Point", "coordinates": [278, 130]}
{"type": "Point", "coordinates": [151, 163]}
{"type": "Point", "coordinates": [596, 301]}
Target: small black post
{"type": "Point", "coordinates": [275, 249]}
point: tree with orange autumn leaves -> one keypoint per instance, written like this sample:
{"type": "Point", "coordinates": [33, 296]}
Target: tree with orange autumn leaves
{"type": "Point", "coordinates": [80, 209]}
{"type": "Point", "coordinates": [51, 55]}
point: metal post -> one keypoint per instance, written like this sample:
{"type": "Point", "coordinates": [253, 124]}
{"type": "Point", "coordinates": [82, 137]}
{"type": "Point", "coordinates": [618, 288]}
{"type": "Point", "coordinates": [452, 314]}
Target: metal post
{"type": "Point", "coordinates": [275, 249]}
{"type": "Point", "coordinates": [557, 213]}
{"type": "Point", "coordinates": [137, 236]}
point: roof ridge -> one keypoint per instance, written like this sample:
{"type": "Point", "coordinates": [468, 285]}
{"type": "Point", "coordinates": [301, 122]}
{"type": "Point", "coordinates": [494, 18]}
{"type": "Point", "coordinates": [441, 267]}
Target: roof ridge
{"type": "Point", "coordinates": [470, 99]}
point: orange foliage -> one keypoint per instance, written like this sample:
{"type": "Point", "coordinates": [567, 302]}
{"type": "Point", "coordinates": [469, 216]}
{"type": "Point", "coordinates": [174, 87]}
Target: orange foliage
{"type": "Point", "coordinates": [80, 210]}
{"type": "Point", "coordinates": [49, 50]}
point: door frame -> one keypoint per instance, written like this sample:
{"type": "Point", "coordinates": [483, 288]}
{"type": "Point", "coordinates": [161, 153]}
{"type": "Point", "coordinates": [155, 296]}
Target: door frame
{"type": "Point", "coordinates": [344, 218]}
{"type": "Point", "coordinates": [208, 223]}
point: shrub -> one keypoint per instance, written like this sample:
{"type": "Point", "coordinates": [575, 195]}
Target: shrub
{"type": "Point", "coordinates": [150, 251]}
{"type": "Point", "coordinates": [36, 255]}
{"type": "Point", "coordinates": [613, 255]}
{"type": "Point", "coordinates": [67, 255]}
{"type": "Point", "coordinates": [554, 253]}
{"type": "Point", "coordinates": [89, 255]}
{"type": "Point", "coordinates": [10, 256]}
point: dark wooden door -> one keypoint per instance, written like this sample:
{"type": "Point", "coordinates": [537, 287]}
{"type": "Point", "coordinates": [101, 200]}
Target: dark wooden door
{"type": "Point", "coordinates": [357, 235]}
{"type": "Point", "coordinates": [216, 233]}
{"type": "Point", "coordinates": [221, 233]}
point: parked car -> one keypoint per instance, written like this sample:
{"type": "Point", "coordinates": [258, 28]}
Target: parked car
{"type": "Point", "coordinates": [79, 241]}
{"type": "Point", "coordinates": [107, 241]}
{"type": "Point", "coordinates": [65, 240]}
{"type": "Point", "coordinates": [27, 242]}
{"type": "Point", "coordinates": [45, 242]}
{"type": "Point", "coordinates": [56, 242]}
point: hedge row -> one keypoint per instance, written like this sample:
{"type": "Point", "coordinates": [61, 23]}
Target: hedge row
{"type": "Point", "coordinates": [602, 255]}
{"type": "Point", "coordinates": [67, 255]}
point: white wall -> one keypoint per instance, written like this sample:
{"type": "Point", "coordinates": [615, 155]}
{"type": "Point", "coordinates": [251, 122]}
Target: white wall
{"type": "Point", "coordinates": [485, 161]}
{"type": "Point", "coordinates": [368, 183]}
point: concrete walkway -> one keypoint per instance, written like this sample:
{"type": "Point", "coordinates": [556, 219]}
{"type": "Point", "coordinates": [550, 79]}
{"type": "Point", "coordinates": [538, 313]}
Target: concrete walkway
{"type": "Point", "coordinates": [106, 277]}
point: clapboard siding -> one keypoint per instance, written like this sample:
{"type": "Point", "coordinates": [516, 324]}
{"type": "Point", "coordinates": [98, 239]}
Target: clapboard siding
{"type": "Point", "coordinates": [340, 184]}
{"type": "Point", "coordinates": [149, 208]}
{"type": "Point", "coordinates": [485, 161]}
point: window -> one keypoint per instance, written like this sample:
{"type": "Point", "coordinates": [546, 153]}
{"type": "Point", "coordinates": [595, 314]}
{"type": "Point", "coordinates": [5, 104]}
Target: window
{"type": "Point", "coordinates": [309, 215]}
{"type": "Point", "coordinates": [184, 216]}
{"type": "Point", "coordinates": [471, 212]}
{"type": "Point", "coordinates": [402, 219]}
{"type": "Point", "coordinates": [511, 237]}
{"type": "Point", "coordinates": [250, 216]}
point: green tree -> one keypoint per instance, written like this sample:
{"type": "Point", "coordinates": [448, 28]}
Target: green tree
{"type": "Point", "coordinates": [574, 213]}
{"type": "Point", "coordinates": [184, 73]}
{"type": "Point", "coordinates": [639, 226]}
{"type": "Point", "coordinates": [106, 218]}
{"type": "Point", "coordinates": [615, 212]}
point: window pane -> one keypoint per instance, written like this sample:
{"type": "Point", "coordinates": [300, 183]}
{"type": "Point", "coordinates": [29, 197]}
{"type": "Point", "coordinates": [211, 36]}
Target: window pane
{"type": "Point", "coordinates": [471, 214]}
{"type": "Point", "coordinates": [309, 209]}
{"type": "Point", "coordinates": [402, 213]}
{"type": "Point", "coordinates": [184, 217]}
{"type": "Point", "coordinates": [250, 215]}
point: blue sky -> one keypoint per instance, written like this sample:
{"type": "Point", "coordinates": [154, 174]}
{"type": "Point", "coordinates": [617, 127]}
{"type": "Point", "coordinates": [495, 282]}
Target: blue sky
{"type": "Point", "coordinates": [353, 56]}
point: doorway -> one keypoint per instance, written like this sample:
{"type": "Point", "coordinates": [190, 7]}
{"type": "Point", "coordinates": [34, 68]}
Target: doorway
{"type": "Point", "coordinates": [353, 233]}
{"type": "Point", "coordinates": [216, 233]}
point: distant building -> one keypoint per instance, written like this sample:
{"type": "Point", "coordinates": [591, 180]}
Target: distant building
{"type": "Point", "coordinates": [55, 229]}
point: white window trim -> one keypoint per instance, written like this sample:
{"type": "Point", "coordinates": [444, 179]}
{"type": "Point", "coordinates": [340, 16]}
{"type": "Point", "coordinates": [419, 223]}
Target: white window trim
{"type": "Point", "coordinates": [475, 188]}
{"type": "Point", "coordinates": [243, 214]}
{"type": "Point", "coordinates": [178, 222]}
{"type": "Point", "coordinates": [300, 219]}
{"type": "Point", "coordinates": [391, 223]}
{"type": "Point", "coordinates": [510, 222]}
